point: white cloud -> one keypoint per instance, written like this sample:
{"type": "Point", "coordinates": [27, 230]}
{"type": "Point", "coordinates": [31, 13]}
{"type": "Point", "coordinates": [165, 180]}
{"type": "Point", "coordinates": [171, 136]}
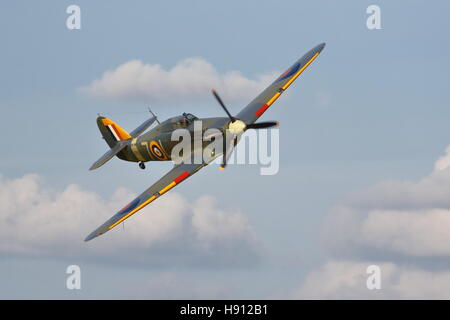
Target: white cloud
{"type": "Point", "coordinates": [215, 225]}
{"type": "Point", "coordinates": [191, 78]}
{"type": "Point", "coordinates": [395, 217]}
{"type": "Point", "coordinates": [404, 226]}
{"type": "Point", "coordinates": [431, 191]}
{"type": "Point", "coordinates": [37, 221]}
{"type": "Point", "coordinates": [420, 233]}
{"type": "Point", "coordinates": [444, 161]}
{"type": "Point", "coordinates": [347, 280]}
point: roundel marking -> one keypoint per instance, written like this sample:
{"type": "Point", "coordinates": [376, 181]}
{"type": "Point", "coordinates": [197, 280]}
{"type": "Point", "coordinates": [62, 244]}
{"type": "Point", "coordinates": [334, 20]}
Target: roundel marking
{"type": "Point", "coordinates": [157, 151]}
{"type": "Point", "coordinates": [289, 72]}
{"type": "Point", "coordinates": [129, 206]}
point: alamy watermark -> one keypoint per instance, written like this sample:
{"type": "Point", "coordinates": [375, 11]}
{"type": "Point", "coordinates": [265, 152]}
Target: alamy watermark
{"type": "Point", "coordinates": [73, 281]}
{"type": "Point", "coordinates": [373, 22]}
{"type": "Point", "coordinates": [374, 279]}
{"type": "Point", "coordinates": [205, 146]}
{"type": "Point", "coordinates": [73, 21]}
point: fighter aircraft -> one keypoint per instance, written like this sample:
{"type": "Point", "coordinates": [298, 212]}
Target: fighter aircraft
{"type": "Point", "coordinates": [156, 144]}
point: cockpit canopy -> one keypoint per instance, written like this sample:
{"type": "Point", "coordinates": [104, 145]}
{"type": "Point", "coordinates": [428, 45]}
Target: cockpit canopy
{"type": "Point", "coordinates": [178, 122]}
{"type": "Point", "coordinates": [184, 120]}
{"type": "Point", "coordinates": [189, 116]}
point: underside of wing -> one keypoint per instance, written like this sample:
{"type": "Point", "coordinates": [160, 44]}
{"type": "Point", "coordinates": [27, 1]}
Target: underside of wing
{"type": "Point", "coordinates": [167, 182]}
{"type": "Point", "coordinates": [109, 155]}
{"type": "Point", "coordinates": [266, 98]}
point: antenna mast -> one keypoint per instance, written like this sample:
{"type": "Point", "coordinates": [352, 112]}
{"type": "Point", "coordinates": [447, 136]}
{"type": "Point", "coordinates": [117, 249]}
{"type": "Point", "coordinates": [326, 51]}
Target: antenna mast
{"type": "Point", "coordinates": [153, 115]}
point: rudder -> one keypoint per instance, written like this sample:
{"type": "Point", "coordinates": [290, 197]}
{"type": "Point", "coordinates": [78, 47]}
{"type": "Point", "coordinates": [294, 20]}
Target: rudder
{"type": "Point", "coordinates": [111, 131]}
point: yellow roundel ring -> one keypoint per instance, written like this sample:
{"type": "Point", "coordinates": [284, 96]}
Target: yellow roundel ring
{"type": "Point", "coordinates": [157, 152]}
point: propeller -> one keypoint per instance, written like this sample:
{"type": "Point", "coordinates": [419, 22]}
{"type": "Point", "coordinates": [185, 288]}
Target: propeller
{"type": "Point", "coordinates": [223, 105]}
{"type": "Point", "coordinates": [263, 125]}
{"type": "Point", "coordinates": [237, 127]}
{"type": "Point", "coordinates": [228, 150]}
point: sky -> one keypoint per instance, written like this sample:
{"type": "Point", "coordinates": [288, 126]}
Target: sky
{"type": "Point", "coordinates": [364, 171]}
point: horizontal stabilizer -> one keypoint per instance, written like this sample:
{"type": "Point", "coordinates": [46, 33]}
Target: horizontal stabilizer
{"type": "Point", "coordinates": [139, 130]}
{"type": "Point", "coordinates": [109, 155]}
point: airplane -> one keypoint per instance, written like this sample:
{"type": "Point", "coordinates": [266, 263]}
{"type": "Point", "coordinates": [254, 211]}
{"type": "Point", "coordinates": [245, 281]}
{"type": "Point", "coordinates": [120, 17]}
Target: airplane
{"type": "Point", "coordinates": [157, 145]}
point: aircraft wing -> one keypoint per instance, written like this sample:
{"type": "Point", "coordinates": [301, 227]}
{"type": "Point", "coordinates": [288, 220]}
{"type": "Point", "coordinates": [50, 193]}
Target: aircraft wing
{"type": "Point", "coordinates": [171, 179]}
{"type": "Point", "coordinates": [109, 155]}
{"type": "Point", "coordinates": [139, 130]}
{"type": "Point", "coordinates": [262, 102]}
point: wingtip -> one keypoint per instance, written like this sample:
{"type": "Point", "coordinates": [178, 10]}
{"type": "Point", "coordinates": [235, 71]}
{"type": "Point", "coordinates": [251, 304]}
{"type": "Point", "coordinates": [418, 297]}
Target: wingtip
{"type": "Point", "coordinates": [321, 46]}
{"type": "Point", "coordinates": [92, 235]}
{"type": "Point", "coordinates": [89, 237]}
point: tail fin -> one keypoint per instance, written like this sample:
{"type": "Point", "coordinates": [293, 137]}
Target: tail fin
{"type": "Point", "coordinates": [111, 131]}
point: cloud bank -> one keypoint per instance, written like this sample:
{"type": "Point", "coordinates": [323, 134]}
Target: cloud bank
{"type": "Point", "coordinates": [347, 280]}
{"type": "Point", "coordinates": [397, 218]}
{"type": "Point", "coordinates": [401, 226]}
{"type": "Point", "coordinates": [37, 221]}
{"type": "Point", "coordinates": [191, 78]}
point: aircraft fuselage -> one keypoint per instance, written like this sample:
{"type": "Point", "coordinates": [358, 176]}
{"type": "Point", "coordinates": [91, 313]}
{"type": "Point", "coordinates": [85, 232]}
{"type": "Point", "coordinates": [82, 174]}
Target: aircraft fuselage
{"type": "Point", "coordinates": [157, 144]}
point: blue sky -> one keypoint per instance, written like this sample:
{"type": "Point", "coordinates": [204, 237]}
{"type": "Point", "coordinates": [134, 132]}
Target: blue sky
{"type": "Point", "coordinates": [371, 110]}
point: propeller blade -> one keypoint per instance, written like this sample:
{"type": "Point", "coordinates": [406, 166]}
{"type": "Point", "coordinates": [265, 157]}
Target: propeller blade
{"type": "Point", "coordinates": [223, 105]}
{"type": "Point", "coordinates": [227, 152]}
{"type": "Point", "coordinates": [262, 125]}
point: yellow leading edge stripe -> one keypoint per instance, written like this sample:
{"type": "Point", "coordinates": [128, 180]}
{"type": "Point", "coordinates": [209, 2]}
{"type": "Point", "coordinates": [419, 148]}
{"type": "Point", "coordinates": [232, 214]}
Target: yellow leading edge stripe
{"type": "Point", "coordinates": [300, 71]}
{"type": "Point", "coordinates": [133, 212]}
{"type": "Point", "coordinates": [275, 97]}
{"type": "Point", "coordinates": [170, 186]}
